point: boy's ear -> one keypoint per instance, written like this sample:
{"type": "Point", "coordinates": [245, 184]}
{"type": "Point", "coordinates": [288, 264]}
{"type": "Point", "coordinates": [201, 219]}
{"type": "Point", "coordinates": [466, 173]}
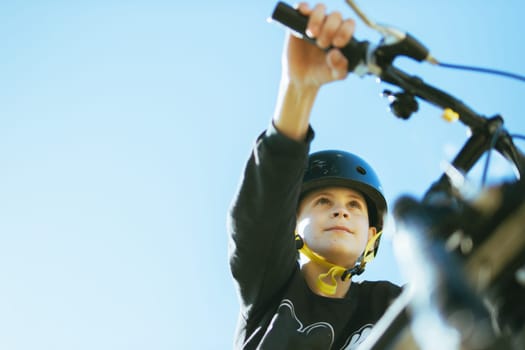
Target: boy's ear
{"type": "Point", "coordinates": [371, 232]}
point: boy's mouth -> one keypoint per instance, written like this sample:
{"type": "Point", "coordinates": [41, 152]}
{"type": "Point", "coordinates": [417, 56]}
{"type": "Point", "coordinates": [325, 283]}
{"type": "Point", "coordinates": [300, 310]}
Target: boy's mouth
{"type": "Point", "coordinates": [338, 228]}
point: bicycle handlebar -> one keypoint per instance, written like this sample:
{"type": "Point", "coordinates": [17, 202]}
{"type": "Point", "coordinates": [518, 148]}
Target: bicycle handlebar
{"type": "Point", "coordinates": [377, 60]}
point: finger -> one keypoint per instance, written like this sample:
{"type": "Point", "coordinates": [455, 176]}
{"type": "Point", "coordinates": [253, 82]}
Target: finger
{"type": "Point", "coordinates": [315, 20]}
{"type": "Point", "coordinates": [344, 33]}
{"type": "Point", "coordinates": [304, 8]}
{"type": "Point", "coordinates": [330, 27]}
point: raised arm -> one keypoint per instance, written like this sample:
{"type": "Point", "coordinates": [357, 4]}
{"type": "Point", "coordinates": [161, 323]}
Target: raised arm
{"type": "Point", "coordinates": [263, 214]}
{"type": "Point", "coordinates": [305, 68]}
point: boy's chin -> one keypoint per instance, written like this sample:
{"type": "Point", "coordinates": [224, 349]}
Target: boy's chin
{"type": "Point", "coordinates": [343, 258]}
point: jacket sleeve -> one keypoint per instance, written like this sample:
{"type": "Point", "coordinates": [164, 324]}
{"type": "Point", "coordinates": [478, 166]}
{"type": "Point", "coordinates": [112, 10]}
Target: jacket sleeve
{"type": "Point", "coordinates": [262, 218]}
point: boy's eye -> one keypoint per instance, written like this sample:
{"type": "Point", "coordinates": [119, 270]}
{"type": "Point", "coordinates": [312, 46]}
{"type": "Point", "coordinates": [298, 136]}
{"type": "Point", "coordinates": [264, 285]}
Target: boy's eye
{"type": "Point", "coordinates": [322, 201]}
{"type": "Point", "coordinates": [355, 204]}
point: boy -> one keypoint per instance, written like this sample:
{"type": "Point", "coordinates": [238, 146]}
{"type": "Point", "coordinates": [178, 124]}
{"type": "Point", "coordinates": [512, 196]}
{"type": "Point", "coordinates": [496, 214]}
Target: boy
{"type": "Point", "coordinates": [335, 208]}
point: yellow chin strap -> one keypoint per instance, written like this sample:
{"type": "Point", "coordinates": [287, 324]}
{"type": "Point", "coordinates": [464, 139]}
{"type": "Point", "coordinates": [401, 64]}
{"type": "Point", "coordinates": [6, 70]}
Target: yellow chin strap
{"type": "Point", "coordinates": [370, 249]}
{"type": "Point", "coordinates": [336, 270]}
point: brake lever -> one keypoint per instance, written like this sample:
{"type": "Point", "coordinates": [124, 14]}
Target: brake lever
{"type": "Point", "coordinates": [395, 42]}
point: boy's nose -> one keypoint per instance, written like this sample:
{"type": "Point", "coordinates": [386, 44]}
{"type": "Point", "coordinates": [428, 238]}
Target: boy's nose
{"type": "Point", "coordinates": [340, 212]}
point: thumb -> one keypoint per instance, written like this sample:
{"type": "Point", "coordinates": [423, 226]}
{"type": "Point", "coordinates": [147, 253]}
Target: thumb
{"type": "Point", "coordinates": [337, 63]}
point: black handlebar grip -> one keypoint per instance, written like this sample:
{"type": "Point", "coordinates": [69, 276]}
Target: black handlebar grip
{"type": "Point", "coordinates": [290, 17]}
{"type": "Point", "coordinates": [354, 51]}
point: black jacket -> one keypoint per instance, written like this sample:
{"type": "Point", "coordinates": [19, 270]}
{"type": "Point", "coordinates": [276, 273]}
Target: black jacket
{"type": "Point", "coordinates": [278, 310]}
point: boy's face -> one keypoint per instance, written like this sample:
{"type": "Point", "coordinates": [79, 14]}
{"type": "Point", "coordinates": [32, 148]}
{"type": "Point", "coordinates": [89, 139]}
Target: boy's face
{"type": "Point", "coordinates": [333, 222]}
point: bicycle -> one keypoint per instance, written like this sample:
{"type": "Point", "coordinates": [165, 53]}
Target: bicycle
{"type": "Point", "coordinates": [466, 265]}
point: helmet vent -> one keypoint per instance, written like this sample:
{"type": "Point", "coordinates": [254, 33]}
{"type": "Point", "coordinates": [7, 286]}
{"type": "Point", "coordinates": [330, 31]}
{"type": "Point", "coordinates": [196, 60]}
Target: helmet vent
{"type": "Point", "coordinates": [361, 170]}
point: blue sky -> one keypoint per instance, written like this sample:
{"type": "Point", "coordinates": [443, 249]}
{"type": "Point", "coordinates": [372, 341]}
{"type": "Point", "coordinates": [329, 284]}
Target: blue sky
{"type": "Point", "coordinates": [124, 127]}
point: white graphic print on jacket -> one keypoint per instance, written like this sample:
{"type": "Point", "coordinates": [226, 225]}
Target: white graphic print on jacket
{"type": "Point", "coordinates": [319, 335]}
